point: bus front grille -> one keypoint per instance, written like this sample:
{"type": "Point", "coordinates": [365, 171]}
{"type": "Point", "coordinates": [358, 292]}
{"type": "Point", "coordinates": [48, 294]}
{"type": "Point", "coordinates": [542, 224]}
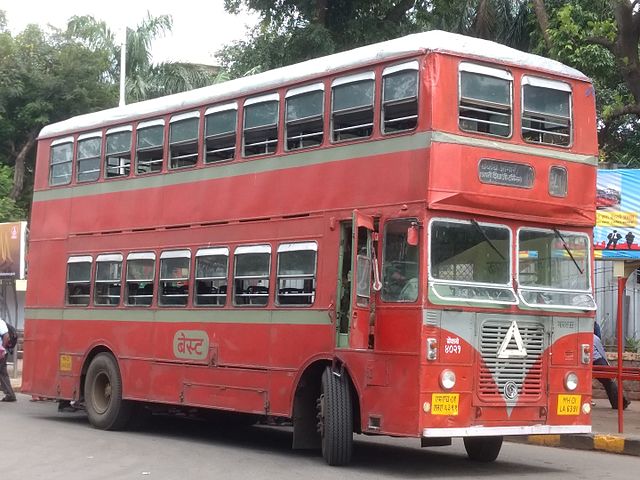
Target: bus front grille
{"type": "Point", "coordinates": [524, 371]}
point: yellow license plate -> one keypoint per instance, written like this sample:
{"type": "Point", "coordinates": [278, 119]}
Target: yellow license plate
{"type": "Point", "coordinates": [569, 404]}
{"type": "Point", "coordinates": [65, 363]}
{"type": "Point", "coordinates": [445, 403]}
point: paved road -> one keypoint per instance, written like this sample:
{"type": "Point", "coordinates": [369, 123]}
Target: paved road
{"type": "Point", "coordinates": [39, 443]}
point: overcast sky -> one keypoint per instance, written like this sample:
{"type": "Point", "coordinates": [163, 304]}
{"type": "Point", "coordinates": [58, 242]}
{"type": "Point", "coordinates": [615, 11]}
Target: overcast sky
{"type": "Point", "coordinates": [200, 27]}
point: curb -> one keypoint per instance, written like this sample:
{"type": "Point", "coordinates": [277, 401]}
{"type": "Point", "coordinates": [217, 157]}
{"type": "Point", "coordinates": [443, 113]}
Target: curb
{"type": "Point", "coordinates": [595, 441]}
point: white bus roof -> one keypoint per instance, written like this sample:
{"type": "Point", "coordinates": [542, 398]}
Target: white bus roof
{"type": "Point", "coordinates": [435, 40]}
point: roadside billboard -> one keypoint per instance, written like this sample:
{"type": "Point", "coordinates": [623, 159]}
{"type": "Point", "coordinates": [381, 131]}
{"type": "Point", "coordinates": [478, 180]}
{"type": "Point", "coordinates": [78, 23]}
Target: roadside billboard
{"type": "Point", "coordinates": [617, 232]}
{"type": "Point", "coordinates": [13, 249]}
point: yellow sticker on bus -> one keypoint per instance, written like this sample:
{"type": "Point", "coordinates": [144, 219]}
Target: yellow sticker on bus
{"type": "Point", "coordinates": [445, 403]}
{"type": "Point", "coordinates": [569, 404]}
{"type": "Point", "coordinates": [65, 363]}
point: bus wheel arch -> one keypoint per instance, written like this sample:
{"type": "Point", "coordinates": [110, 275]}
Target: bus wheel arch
{"type": "Point", "coordinates": [102, 389]}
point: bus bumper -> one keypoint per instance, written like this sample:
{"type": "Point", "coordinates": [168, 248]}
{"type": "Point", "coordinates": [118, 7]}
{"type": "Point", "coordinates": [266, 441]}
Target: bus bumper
{"type": "Point", "coordinates": [480, 431]}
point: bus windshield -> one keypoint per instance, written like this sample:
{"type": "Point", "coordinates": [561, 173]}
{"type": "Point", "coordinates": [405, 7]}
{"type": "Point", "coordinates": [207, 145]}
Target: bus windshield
{"type": "Point", "coordinates": [553, 269]}
{"type": "Point", "coordinates": [470, 262]}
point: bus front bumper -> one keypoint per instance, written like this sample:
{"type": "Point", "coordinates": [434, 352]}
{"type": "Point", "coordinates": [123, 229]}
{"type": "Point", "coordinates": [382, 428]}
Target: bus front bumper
{"type": "Point", "coordinates": [480, 431]}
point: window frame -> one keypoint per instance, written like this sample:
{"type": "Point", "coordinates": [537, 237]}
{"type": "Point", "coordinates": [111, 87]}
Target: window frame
{"type": "Point", "coordinates": [171, 254]}
{"type": "Point", "coordinates": [113, 131]}
{"type": "Point", "coordinates": [365, 76]}
{"type": "Point", "coordinates": [489, 71]}
{"type": "Point", "coordinates": [296, 92]}
{"type": "Point", "coordinates": [211, 111]}
{"type": "Point", "coordinates": [245, 249]}
{"type": "Point", "coordinates": [250, 102]}
{"type": "Point", "coordinates": [107, 258]}
{"type": "Point", "coordinates": [146, 125]}
{"type": "Point", "coordinates": [211, 252]}
{"type": "Point", "coordinates": [292, 247]}
{"type": "Point", "coordinates": [181, 117]}
{"type": "Point", "coordinates": [143, 255]}
{"type": "Point", "coordinates": [58, 143]}
{"type": "Point", "coordinates": [566, 180]}
{"type": "Point", "coordinates": [79, 259]}
{"type": "Point", "coordinates": [387, 71]}
{"type": "Point", "coordinates": [551, 84]}
{"type": "Point", "coordinates": [82, 138]}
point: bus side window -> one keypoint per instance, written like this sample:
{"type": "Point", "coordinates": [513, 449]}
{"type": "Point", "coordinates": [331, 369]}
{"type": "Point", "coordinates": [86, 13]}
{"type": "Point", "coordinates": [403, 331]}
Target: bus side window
{"type": "Point", "coordinates": [304, 122]}
{"type": "Point", "coordinates": [108, 280]}
{"type": "Point", "coordinates": [150, 147]}
{"type": "Point", "coordinates": [61, 161]}
{"type": "Point", "coordinates": [485, 100]}
{"type": "Point", "coordinates": [251, 275]}
{"type": "Point", "coordinates": [140, 279]}
{"type": "Point", "coordinates": [220, 133]}
{"type": "Point", "coordinates": [183, 140]}
{"type": "Point", "coordinates": [297, 273]}
{"type": "Point", "coordinates": [400, 263]}
{"type": "Point", "coordinates": [118, 152]}
{"type": "Point", "coordinates": [174, 278]}
{"type": "Point", "coordinates": [88, 161]}
{"type": "Point", "coordinates": [211, 283]}
{"type": "Point", "coordinates": [260, 135]}
{"type": "Point", "coordinates": [79, 280]}
{"type": "Point", "coordinates": [352, 106]}
{"type": "Point", "coordinates": [400, 98]}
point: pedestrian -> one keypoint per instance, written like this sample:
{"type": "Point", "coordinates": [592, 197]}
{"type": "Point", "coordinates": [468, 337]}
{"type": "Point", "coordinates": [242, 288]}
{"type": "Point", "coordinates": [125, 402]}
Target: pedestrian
{"type": "Point", "coordinates": [629, 237]}
{"type": "Point", "coordinates": [613, 238]}
{"type": "Point", "coordinates": [610, 386]}
{"type": "Point", "coordinates": [5, 381]}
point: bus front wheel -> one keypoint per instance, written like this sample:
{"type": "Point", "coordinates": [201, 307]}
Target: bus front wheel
{"type": "Point", "coordinates": [335, 417]}
{"type": "Point", "coordinates": [483, 449]}
{"type": "Point", "coordinates": [103, 394]}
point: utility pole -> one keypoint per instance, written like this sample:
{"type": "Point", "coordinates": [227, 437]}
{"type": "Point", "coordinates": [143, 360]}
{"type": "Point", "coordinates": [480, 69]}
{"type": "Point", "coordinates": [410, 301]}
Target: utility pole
{"type": "Point", "coordinates": [123, 64]}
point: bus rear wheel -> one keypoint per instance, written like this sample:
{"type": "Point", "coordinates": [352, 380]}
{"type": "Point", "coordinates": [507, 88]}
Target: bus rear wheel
{"type": "Point", "coordinates": [103, 394]}
{"type": "Point", "coordinates": [335, 419]}
{"type": "Point", "coordinates": [483, 449]}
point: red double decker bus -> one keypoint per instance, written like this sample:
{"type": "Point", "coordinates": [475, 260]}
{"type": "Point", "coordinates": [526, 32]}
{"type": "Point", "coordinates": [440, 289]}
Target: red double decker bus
{"type": "Point", "coordinates": [393, 240]}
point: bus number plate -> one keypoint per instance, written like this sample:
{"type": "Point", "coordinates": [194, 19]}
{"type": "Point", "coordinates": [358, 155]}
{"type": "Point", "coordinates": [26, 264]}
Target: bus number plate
{"type": "Point", "coordinates": [569, 404]}
{"type": "Point", "coordinates": [65, 363]}
{"type": "Point", "coordinates": [445, 403]}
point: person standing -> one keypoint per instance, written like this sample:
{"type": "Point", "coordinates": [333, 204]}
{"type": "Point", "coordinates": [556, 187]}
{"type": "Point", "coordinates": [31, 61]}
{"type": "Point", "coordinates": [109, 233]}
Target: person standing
{"type": "Point", "coordinates": [611, 387]}
{"type": "Point", "coordinates": [5, 381]}
{"type": "Point", "coordinates": [629, 237]}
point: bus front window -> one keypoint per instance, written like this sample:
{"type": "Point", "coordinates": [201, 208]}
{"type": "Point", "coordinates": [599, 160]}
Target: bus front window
{"type": "Point", "coordinates": [470, 262]}
{"type": "Point", "coordinates": [553, 269]}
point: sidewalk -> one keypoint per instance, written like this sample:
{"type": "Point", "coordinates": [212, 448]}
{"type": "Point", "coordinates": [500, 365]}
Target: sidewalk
{"type": "Point", "coordinates": [604, 436]}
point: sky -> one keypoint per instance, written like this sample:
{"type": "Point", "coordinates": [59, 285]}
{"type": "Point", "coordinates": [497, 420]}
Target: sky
{"type": "Point", "coordinates": [200, 27]}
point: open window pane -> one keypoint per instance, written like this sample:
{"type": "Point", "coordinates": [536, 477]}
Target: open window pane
{"type": "Point", "coordinates": [485, 104]}
{"type": "Point", "coordinates": [108, 283]}
{"type": "Point", "coordinates": [296, 275]}
{"type": "Point", "coordinates": [149, 151]}
{"type": "Point", "coordinates": [118, 154]}
{"type": "Point", "coordinates": [220, 136]}
{"type": "Point", "coordinates": [400, 101]}
{"type": "Point", "coordinates": [89, 151]}
{"type": "Point", "coordinates": [183, 143]}
{"type": "Point", "coordinates": [174, 281]}
{"type": "Point", "coordinates": [305, 120]}
{"type": "Point", "coordinates": [352, 110]}
{"type": "Point", "coordinates": [211, 280]}
{"type": "Point", "coordinates": [546, 116]}
{"type": "Point", "coordinates": [251, 276]}
{"type": "Point", "coordinates": [78, 282]}
{"type": "Point", "coordinates": [260, 128]}
{"type": "Point", "coordinates": [60, 166]}
{"type": "Point", "coordinates": [140, 280]}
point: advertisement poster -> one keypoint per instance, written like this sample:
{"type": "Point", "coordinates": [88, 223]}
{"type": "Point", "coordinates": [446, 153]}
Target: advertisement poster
{"type": "Point", "coordinates": [617, 232]}
{"type": "Point", "coordinates": [13, 249]}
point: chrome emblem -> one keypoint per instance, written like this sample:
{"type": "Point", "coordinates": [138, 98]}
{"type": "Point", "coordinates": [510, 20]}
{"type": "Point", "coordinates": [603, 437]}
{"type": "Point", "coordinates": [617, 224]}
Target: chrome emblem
{"type": "Point", "coordinates": [510, 390]}
{"type": "Point", "coordinates": [512, 334]}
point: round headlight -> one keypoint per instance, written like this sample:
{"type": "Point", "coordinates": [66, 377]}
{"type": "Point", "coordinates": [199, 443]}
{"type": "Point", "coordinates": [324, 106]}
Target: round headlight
{"type": "Point", "coordinates": [447, 379]}
{"type": "Point", "coordinates": [571, 381]}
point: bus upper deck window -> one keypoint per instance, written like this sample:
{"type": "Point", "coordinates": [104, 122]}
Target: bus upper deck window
{"type": "Point", "coordinates": [78, 280]}
{"type": "Point", "coordinates": [149, 146]}
{"type": "Point", "coordinates": [88, 162]}
{"type": "Point", "coordinates": [220, 133]}
{"type": "Point", "coordinates": [183, 140]}
{"type": "Point", "coordinates": [400, 98]}
{"type": "Point", "coordinates": [61, 158]}
{"type": "Point", "coordinates": [546, 111]}
{"type": "Point", "coordinates": [304, 116]}
{"type": "Point", "coordinates": [485, 100]}
{"type": "Point", "coordinates": [352, 106]}
{"type": "Point", "coordinates": [118, 152]}
{"type": "Point", "coordinates": [261, 125]}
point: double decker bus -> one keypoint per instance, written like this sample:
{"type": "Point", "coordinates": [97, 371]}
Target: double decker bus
{"type": "Point", "coordinates": [393, 240]}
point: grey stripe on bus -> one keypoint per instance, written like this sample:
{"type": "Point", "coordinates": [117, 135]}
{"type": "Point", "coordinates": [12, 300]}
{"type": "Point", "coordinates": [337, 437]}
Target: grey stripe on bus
{"type": "Point", "coordinates": [347, 152]}
{"type": "Point", "coordinates": [286, 317]}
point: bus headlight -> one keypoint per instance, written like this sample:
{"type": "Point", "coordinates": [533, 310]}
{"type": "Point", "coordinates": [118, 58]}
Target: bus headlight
{"type": "Point", "coordinates": [571, 381]}
{"type": "Point", "coordinates": [447, 379]}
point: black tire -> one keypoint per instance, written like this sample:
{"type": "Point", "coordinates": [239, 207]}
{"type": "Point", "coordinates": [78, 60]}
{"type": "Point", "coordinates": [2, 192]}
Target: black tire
{"type": "Point", "coordinates": [335, 419]}
{"type": "Point", "coordinates": [103, 394]}
{"type": "Point", "coordinates": [483, 449]}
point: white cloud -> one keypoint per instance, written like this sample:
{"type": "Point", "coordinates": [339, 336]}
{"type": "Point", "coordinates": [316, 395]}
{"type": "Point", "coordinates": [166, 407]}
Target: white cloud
{"type": "Point", "coordinates": [200, 28]}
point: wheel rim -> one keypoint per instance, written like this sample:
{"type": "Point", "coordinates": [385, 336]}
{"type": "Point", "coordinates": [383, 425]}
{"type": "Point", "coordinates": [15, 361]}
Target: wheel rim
{"type": "Point", "coordinates": [101, 393]}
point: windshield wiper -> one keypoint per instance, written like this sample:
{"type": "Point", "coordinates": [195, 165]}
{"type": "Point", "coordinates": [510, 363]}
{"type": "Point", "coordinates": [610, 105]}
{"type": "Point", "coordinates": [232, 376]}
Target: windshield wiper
{"type": "Point", "coordinates": [566, 247]}
{"type": "Point", "coordinates": [486, 238]}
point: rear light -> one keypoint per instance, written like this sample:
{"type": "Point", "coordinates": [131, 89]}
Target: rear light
{"type": "Point", "coordinates": [586, 353]}
{"type": "Point", "coordinates": [447, 379]}
{"type": "Point", "coordinates": [571, 381]}
{"type": "Point", "coordinates": [432, 349]}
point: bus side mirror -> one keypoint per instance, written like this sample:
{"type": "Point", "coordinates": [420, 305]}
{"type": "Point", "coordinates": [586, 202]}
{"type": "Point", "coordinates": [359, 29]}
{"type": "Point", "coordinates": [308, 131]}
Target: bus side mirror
{"type": "Point", "coordinates": [412, 235]}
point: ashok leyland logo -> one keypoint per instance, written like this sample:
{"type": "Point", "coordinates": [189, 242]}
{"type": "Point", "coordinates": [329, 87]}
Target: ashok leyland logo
{"type": "Point", "coordinates": [512, 334]}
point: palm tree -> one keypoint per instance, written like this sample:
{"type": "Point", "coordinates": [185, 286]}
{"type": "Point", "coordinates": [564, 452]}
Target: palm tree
{"type": "Point", "coordinates": [144, 78]}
